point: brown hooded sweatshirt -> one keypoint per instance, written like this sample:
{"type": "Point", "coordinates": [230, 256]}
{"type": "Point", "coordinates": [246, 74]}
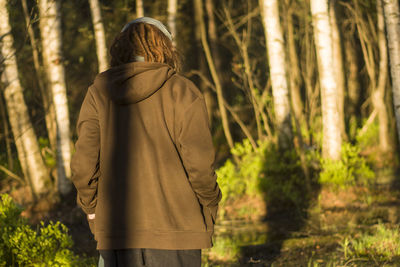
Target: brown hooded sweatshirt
{"type": "Point", "coordinates": [144, 160]}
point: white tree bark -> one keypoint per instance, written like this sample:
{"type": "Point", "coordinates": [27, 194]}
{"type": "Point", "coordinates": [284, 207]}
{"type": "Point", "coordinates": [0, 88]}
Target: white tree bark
{"type": "Point", "coordinates": [48, 106]}
{"type": "Point", "coordinates": [28, 150]}
{"type": "Point", "coordinates": [278, 72]}
{"type": "Point", "coordinates": [50, 30]}
{"type": "Point", "coordinates": [338, 66]}
{"type": "Point", "coordinates": [392, 20]}
{"type": "Point", "coordinates": [172, 10]}
{"type": "Point", "coordinates": [99, 34]}
{"type": "Point", "coordinates": [332, 141]}
{"type": "Point", "coordinates": [139, 8]}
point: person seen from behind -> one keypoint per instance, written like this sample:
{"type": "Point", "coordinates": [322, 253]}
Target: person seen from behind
{"type": "Point", "coordinates": [144, 161]}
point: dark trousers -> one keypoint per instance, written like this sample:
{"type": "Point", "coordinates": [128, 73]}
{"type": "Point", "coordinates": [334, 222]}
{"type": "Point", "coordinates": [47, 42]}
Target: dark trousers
{"type": "Point", "coordinates": [150, 257]}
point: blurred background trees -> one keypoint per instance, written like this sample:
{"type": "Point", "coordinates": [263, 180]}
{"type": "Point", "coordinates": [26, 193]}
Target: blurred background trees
{"type": "Point", "coordinates": [299, 93]}
{"type": "Point", "coordinates": [303, 75]}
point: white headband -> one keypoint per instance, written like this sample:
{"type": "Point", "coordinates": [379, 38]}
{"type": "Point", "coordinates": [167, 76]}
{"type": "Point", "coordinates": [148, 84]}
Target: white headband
{"type": "Point", "coordinates": [151, 21]}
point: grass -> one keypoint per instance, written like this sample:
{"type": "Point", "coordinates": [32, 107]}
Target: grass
{"type": "Point", "coordinates": [343, 229]}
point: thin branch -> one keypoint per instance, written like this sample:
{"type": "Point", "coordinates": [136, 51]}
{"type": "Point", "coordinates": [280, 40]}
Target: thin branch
{"type": "Point", "coordinates": [11, 174]}
{"type": "Point", "coordinates": [235, 116]}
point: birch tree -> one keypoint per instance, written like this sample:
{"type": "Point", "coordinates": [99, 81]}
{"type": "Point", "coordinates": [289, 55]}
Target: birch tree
{"type": "Point", "coordinates": [28, 150]}
{"type": "Point", "coordinates": [48, 106]}
{"type": "Point", "coordinates": [50, 30]}
{"type": "Point", "coordinates": [278, 72]}
{"type": "Point", "coordinates": [172, 10]}
{"type": "Point", "coordinates": [139, 8]}
{"type": "Point", "coordinates": [338, 66]}
{"type": "Point", "coordinates": [392, 20]}
{"type": "Point", "coordinates": [332, 141]}
{"type": "Point", "coordinates": [99, 34]}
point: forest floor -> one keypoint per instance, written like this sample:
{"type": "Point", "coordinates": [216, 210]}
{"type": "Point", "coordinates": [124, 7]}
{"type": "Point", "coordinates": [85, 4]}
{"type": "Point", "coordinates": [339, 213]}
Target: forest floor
{"type": "Point", "coordinates": [336, 217]}
{"type": "Point", "coordinates": [280, 240]}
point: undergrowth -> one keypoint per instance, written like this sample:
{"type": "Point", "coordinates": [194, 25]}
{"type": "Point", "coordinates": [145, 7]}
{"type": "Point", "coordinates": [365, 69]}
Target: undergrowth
{"type": "Point", "coordinates": [382, 244]}
{"type": "Point", "coordinates": [352, 169]}
{"type": "Point", "coordinates": [21, 245]}
{"type": "Point", "coordinates": [263, 172]}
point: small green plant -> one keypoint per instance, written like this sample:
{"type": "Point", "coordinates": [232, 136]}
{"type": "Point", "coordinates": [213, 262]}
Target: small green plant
{"type": "Point", "coordinates": [47, 153]}
{"type": "Point", "coordinates": [350, 170]}
{"type": "Point", "coordinates": [382, 244]}
{"type": "Point", "coordinates": [20, 245]}
{"type": "Point", "coordinates": [240, 180]}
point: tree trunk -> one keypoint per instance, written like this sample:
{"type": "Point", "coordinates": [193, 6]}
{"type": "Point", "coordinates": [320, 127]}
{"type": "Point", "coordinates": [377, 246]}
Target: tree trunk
{"type": "Point", "coordinates": [294, 74]}
{"type": "Point", "coordinates": [379, 93]}
{"type": "Point", "coordinates": [50, 116]}
{"type": "Point", "coordinates": [99, 34]}
{"type": "Point", "coordinates": [392, 20]}
{"type": "Point", "coordinates": [28, 150]}
{"type": "Point", "coordinates": [214, 74]}
{"type": "Point", "coordinates": [213, 34]}
{"type": "Point", "coordinates": [332, 141]}
{"type": "Point", "coordinates": [50, 29]}
{"type": "Point", "coordinates": [353, 84]}
{"type": "Point", "coordinates": [139, 8]}
{"type": "Point", "coordinates": [202, 65]}
{"type": "Point", "coordinates": [338, 66]}
{"type": "Point", "coordinates": [172, 10]}
{"type": "Point", "coordinates": [7, 135]}
{"type": "Point", "coordinates": [278, 72]}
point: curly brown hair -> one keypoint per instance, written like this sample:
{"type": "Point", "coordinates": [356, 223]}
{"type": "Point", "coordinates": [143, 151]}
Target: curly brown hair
{"type": "Point", "coordinates": [146, 40]}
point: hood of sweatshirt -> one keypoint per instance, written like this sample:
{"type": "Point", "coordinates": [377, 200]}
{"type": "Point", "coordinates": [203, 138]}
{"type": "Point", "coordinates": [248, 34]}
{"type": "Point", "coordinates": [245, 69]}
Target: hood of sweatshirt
{"type": "Point", "coordinates": [133, 82]}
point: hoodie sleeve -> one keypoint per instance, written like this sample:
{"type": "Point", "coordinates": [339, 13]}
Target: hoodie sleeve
{"type": "Point", "coordinates": [197, 152]}
{"type": "Point", "coordinates": [85, 161]}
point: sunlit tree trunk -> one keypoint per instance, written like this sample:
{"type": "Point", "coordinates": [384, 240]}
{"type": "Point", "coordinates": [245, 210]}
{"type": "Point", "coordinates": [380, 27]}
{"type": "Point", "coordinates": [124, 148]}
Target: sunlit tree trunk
{"type": "Point", "coordinates": [214, 74]}
{"type": "Point", "coordinates": [278, 72]}
{"type": "Point", "coordinates": [172, 10]}
{"type": "Point", "coordinates": [338, 66]}
{"type": "Point", "coordinates": [48, 106]}
{"type": "Point", "coordinates": [392, 20]}
{"type": "Point", "coordinates": [139, 8]}
{"type": "Point", "coordinates": [99, 34]}
{"type": "Point", "coordinates": [28, 150]}
{"type": "Point", "coordinates": [378, 97]}
{"type": "Point", "coordinates": [50, 29]}
{"type": "Point", "coordinates": [332, 141]}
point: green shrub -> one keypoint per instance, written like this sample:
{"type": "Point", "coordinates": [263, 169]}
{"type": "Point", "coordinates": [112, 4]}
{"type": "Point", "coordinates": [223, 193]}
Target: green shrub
{"type": "Point", "coordinates": [264, 171]}
{"type": "Point", "coordinates": [350, 170]}
{"type": "Point", "coordinates": [20, 245]}
{"type": "Point", "coordinates": [236, 181]}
